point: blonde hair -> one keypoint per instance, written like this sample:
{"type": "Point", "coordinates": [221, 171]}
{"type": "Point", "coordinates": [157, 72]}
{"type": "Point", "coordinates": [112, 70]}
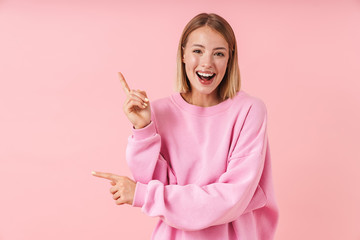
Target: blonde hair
{"type": "Point", "coordinates": [230, 84]}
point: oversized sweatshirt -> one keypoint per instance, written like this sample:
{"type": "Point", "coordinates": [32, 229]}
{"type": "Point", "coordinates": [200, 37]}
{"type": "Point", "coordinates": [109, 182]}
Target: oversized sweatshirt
{"type": "Point", "coordinates": [205, 172]}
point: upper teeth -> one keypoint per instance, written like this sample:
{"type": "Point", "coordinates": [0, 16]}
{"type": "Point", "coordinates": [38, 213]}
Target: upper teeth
{"type": "Point", "coordinates": [205, 74]}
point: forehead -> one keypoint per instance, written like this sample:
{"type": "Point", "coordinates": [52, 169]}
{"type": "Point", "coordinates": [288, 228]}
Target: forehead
{"type": "Point", "coordinates": [207, 37]}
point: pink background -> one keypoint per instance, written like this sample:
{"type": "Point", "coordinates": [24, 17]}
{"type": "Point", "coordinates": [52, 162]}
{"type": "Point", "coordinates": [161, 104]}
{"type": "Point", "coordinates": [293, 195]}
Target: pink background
{"type": "Point", "coordinates": [61, 108]}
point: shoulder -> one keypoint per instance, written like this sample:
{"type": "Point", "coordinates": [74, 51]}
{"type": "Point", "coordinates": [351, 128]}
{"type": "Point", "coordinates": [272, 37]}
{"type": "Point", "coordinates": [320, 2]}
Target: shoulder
{"type": "Point", "coordinates": [164, 113]}
{"type": "Point", "coordinates": [162, 100]}
{"type": "Point", "coordinates": [247, 102]}
{"type": "Point", "coordinates": [162, 108]}
{"type": "Point", "coordinates": [161, 103]}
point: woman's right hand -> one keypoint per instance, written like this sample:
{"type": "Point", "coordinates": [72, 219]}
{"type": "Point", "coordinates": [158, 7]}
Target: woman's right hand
{"type": "Point", "coordinates": [136, 106]}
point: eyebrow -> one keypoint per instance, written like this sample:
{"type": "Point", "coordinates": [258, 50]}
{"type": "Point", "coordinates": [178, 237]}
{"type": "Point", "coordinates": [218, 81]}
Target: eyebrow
{"type": "Point", "coordinates": [218, 48]}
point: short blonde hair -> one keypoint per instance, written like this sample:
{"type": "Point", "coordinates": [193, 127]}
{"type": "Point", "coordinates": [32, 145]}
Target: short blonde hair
{"type": "Point", "coordinates": [230, 84]}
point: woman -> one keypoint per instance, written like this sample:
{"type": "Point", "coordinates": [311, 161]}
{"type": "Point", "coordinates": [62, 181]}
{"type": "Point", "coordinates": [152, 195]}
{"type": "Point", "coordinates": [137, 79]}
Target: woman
{"type": "Point", "coordinates": [200, 158]}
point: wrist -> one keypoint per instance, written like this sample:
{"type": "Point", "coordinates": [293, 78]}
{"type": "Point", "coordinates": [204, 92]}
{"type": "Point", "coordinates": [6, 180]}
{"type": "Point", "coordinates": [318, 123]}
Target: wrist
{"type": "Point", "coordinates": [145, 132]}
{"type": "Point", "coordinates": [141, 126]}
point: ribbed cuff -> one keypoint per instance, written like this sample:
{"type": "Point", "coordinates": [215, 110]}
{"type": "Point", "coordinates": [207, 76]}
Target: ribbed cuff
{"type": "Point", "coordinates": [139, 196]}
{"type": "Point", "coordinates": [144, 132]}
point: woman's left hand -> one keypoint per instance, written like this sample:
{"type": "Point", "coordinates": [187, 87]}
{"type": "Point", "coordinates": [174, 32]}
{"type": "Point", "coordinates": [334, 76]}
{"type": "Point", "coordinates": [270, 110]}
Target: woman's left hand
{"type": "Point", "coordinates": [123, 188]}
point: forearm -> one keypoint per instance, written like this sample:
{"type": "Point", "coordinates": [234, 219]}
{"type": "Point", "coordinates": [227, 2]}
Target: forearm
{"type": "Point", "coordinates": [193, 207]}
{"type": "Point", "coordinates": [143, 155]}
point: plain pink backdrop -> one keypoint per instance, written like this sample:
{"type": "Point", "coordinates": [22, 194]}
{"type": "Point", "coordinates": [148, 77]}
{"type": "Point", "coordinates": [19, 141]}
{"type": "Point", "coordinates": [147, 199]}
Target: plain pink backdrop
{"type": "Point", "coordinates": [61, 108]}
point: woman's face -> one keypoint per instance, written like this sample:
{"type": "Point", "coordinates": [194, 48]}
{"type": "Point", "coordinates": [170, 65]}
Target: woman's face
{"type": "Point", "coordinates": [206, 55]}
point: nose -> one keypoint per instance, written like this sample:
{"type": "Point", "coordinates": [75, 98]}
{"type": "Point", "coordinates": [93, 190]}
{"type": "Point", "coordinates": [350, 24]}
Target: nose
{"type": "Point", "coordinates": [206, 60]}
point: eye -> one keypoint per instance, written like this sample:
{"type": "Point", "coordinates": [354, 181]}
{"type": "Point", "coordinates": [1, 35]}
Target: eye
{"type": "Point", "coordinates": [219, 54]}
{"type": "Point", "coordinates": [197, 51]}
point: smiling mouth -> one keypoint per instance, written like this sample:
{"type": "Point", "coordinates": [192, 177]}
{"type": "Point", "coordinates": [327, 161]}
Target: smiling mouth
{"type": "Point", "coordinates": [205, 76]}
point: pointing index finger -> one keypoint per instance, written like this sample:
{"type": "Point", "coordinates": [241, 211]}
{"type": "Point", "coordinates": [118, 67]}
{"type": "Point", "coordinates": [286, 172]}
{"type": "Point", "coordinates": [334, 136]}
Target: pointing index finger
{"type": "Point", "coordinates": [108, 176]}
{"type": "Point", "coordinates": [124, 83]}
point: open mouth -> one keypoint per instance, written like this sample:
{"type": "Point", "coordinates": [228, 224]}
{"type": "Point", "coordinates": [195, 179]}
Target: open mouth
{"type": "Point", "coordinates": [205, 76]}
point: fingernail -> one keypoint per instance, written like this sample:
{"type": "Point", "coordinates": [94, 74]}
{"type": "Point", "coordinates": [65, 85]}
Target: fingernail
{"type": "Point", "coordinates": [93, 173]}
{"type": "Point", "coordinates": [145, 104]}
{"type": "Point", "coordinates": [146, 99]}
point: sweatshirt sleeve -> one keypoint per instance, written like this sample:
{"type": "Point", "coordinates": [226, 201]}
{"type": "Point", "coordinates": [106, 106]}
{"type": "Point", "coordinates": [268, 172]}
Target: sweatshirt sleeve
{"type": "Point", "coordinates": [193, 207]}
{"type": "Point", "coordinates": [144, 158]}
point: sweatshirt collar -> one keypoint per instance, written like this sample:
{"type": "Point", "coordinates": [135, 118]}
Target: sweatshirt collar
{"type": "Point", "coordinates": [203, 111]}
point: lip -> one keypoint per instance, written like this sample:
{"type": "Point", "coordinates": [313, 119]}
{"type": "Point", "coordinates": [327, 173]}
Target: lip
{"type": "Point", "coordinates": [208, 72]}
{"type": "Point", "coordinates": [205, 82]}
{"type": "Point", "coordinates": [205, 72]}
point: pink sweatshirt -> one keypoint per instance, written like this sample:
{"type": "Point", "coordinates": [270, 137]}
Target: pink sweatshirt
{"type": "Point", "coordinates": [205, 171]}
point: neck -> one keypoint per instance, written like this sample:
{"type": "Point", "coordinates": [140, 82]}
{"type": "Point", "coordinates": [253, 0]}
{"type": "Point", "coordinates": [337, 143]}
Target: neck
{"type": "Point", "coordinates": [201, 100]}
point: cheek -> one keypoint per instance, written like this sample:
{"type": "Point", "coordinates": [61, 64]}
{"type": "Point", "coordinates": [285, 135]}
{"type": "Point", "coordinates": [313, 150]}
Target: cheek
{"type": "Point", "coordinates": [190, 60]}
{"type": "Point", "coordinates": [221, 66]}
{"type": "Point", "coordinates": [190, 64]}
